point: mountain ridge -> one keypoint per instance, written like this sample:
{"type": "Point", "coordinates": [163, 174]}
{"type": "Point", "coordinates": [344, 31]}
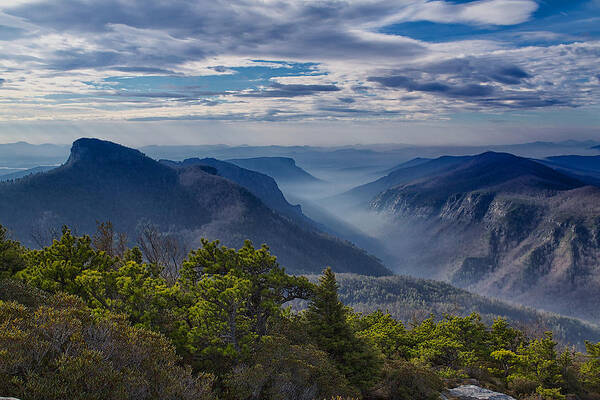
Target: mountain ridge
{"type": "Point", "coordinates": [486, 172]}
{"type": "Point", "coordinates": [283, 169]}
{"type": "Point", "coordinates": [500, 225]}
{"type": "Point", "coordinates": [262, 186]}
{"type": "Point", "coordinates": [104, 181]}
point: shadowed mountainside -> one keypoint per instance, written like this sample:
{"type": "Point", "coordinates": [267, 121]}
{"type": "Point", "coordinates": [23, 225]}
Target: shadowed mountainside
{"type": "Point", "coordinates": [584, 168]}
{"type": "Point", "coordinates": [262, 186]}
{"type": "Point", "coordinates": [400, 174]}
{"type": "Point", "coordinates": [283, 169]}
{"type": "Point", "coordinates": [497, 224]}
{"type": "Point", "coordinates": [103, 181]}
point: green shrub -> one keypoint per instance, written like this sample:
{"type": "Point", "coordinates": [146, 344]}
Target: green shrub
{"type": "Point", "coordinates": [521, 385]}
{"type": "Point", "coordinates": [405, 380]}
{"type": "Point", "coordinates": [281, 371]}
{"type": "Point", "coordinates": [60, 350]}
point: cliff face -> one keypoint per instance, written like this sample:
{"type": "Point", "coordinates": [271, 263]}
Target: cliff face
{"type": "Point", "coordinates": [87, 150]}
{"type": "Point", "coordinates": [502, 227]}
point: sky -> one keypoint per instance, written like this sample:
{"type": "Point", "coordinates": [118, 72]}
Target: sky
{"type": "Point", "coordinates": [320, 72]}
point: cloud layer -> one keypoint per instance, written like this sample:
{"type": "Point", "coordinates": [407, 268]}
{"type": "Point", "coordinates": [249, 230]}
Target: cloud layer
{"type": "Point", "coordinates": [280, 60]}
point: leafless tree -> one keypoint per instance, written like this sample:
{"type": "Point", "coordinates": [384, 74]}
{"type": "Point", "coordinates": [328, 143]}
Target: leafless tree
{"type": "Point", "coordinates": [163, 249]}
{"type": "Point", "coordinates": [45, 230]}
{"type": "Point", "coordinates": [107, 240]}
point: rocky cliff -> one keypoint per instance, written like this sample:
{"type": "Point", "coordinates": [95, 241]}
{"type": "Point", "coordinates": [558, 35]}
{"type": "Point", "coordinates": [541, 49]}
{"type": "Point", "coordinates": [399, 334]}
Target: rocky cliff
{"type": "Point", "coordinates": [505, 226]}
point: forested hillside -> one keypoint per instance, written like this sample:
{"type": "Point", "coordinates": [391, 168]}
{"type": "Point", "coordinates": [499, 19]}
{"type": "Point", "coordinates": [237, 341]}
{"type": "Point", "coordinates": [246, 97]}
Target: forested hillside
{"type": "Point", "coordinates": [283, 169]}
{"type": "Point", "coordinates": [262, 186]}
{"type": "Point", "coordinates": [411, 299]}
{"type": "Point", "coordinates": [103, 181]}
{"type": "Point", "coordinates": [87, 318]}
{"type": "Point", "coordinates": [496, 224]}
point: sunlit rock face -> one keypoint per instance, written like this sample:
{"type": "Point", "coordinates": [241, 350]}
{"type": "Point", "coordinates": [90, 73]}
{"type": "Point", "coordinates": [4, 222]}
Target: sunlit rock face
{"type": "Point", "coordinates": [472, 392]}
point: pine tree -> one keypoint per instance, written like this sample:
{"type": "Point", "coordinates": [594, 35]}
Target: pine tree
{"type": "Point", "coordinates": [12, 253]}
{"type": "Point", "coordinates": [329, 327]}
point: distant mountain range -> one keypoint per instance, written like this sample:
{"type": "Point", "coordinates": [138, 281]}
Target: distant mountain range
{"type": "Point", "coordinates": [498, 224]}
{"type": "Point", "coordinates": [26, 155]}
{"type": "Point", "coordinates": [26, 172]}
{"type": "Point", "coordinates": [584, 168]}
{"type": "Point", "coordinates": [104, 181]}
{"type": "Point", "coordinates": [283, 169]}
{"type": "Point", "coordinates": [581, 163]}
{"type": "Point", "coordinates": [342, 167]}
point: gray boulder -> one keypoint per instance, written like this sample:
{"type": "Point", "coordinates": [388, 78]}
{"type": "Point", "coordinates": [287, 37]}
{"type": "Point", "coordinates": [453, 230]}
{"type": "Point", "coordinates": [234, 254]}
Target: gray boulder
{"type": "Point", "coordinates": [472, 392]}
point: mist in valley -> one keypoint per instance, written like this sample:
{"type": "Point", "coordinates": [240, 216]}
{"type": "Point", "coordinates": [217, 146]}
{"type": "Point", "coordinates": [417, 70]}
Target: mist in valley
{"type": "Point", "coordinates": [444, 248]}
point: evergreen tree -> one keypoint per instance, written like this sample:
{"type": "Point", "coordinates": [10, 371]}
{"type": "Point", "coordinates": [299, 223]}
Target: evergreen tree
{"type": "Point", "coordinates": [330, 328]}
{"type": "Point", "coordinates": [56, 268]}
{"type": "Point", "coordinates": [590, 370]}
{"type": "Point", "coordinates": [12, 257]}
{"type": "Point", "coordinates": [269, 287]}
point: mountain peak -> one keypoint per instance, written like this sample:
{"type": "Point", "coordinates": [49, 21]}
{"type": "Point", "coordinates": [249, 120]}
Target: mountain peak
{"type": "Point", "coordinates": [495, 156]}
{"type": "Point", "coordinates": [102, 151]}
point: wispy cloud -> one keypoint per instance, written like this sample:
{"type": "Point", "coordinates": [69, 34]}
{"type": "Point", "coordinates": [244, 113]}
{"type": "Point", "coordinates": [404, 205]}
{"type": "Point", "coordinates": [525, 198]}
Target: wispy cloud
{"type": "Point", "coordinates": [282, 90]}
{"type": "Point", "coordinates": [277, 60]}
{"type": "Point", "coordinates": [490, 12]}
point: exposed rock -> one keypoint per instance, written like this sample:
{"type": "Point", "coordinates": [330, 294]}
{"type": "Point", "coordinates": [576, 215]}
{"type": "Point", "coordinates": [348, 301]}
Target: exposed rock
{"type": "Point", "coordinates": [472, 392]}
{"type": "Point", "coordinates": [499, 225]}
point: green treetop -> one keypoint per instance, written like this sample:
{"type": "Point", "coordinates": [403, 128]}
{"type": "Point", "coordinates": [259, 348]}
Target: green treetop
{"type": "Point", "coordinates": [329, 326]}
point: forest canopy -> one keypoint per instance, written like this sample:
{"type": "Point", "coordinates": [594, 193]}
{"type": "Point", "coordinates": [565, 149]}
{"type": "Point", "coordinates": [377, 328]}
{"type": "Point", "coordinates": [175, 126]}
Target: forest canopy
{"type": "Point", "coordinates": [88, 318]}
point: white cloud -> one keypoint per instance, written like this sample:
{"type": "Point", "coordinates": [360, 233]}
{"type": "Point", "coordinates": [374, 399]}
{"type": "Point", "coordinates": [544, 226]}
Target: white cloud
{"type": "Point", "coordinates": [71, 42]}
{"type": "Point", "coordinates": [490, 12]}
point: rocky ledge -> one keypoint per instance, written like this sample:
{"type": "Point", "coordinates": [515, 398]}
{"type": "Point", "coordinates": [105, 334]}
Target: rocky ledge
{"type": "Point", "coordinates": [472, 392]}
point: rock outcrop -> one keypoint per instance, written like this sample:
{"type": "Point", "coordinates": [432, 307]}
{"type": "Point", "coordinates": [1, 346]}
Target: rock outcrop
{"type": "Point", "coordinates": [472, 392]}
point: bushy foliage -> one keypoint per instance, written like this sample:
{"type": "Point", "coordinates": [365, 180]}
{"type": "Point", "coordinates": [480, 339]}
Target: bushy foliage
{"type": "Point", "coordinates": [61, 350]}
{"type": "Point", "coordinates": [282, 370]}
{"type": "Point", "coordinates": [81, 320]}
{"type": "Point", "coordinates": [408, 380]}
{"type": "Point", "coordinates": [411, 299]}
{"type": "Point", "coordinates": [590, 370]}
{"type": "Point", "coordinates": [12, 258]}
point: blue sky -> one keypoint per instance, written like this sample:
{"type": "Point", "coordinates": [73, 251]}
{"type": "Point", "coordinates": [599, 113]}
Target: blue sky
{"type": "Point", "coordinates": [315, 72]}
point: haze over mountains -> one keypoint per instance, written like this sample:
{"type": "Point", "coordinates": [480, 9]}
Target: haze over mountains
{"type": "Point", "coordinates": [103, 181]}
{"type": "Point", "coordinates": [524, 229]}
{"type": "Point", "coordinates": [20, 173]}
{"type": "Point", "coordinates": [411, 299]}
{"type": "Point", "coordinates": [584, 168]}
{"type": "Point", "coordinates": [282, 169]}
{"type": "Point", "coordinates": [494, 223]}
